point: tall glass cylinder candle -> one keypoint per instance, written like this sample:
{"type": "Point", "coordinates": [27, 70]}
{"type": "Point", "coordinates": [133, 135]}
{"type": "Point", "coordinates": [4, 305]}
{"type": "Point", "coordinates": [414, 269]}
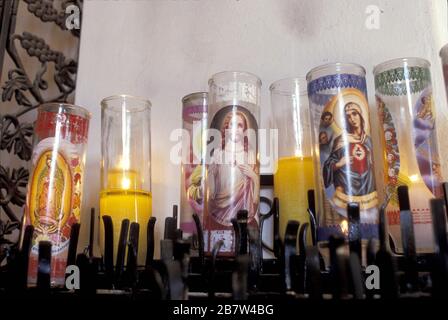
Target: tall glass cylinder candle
{"type": "Point", "coordinates": [294, 173]}
{"type": "Point", "coordinates": [232, 178]}
{"type": "Point", "coordinates": [406, 110]}
{"type": "Point", "coordinates": [55, 187]}
{"type": "Point", "coordinates": [343, 148]}
{"type": "Point", "coordinates": [194, 124]}
{"type": "Point", "coordinates": [126, 166]}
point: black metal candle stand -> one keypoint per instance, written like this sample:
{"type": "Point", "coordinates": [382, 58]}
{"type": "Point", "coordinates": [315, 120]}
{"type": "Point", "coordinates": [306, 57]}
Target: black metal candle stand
{"type": "Point", "coordinates": [296, 271]}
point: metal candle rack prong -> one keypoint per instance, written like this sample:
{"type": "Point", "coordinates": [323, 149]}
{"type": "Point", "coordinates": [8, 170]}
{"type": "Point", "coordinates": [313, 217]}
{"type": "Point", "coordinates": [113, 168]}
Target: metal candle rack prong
{"type": "Point", "coordinates": [44, 267]}
{"type": "Point", "coordinates": [439, 271]}
{"type": "Point", "coordinates": [312, 275]}
{"type": "Point", "coordinates": [240, 277]}
{"type": "Point", "coordinates": [256, 257]}
{"type": "Point", "coordinates": [150, 242]}
{"type": "Point", "coordinates": [354, 229]}
{"type": "Point", "coordinates": [241, 222]}
{"type": "Point", "coordinates": [131, 266]}
{"type": "Point", "coordinates": [338, 265]}
{"type": "Point", "coordinates": [277, 240]}
{"type": "Point", "coordinates": [121, 250]}
{"type": "Point", "coordinates": [211, 279]}
{"type": "Point", "coordinates": [185, 272]}
{"type": "Point", "coordinates": [312, 215]}
{"type": "Point", "coordinates": [408, 240]}
{"type": "Point", "coordinates": [290, 252]}
{"type": "Point", "coordinates": [301, 260]}
{"type": "Point", "coordinates": [108, 249]}
{"type": "Point", "coordinates": [200, 238]}
{"type": "Point", "coordinates": [24, 255]}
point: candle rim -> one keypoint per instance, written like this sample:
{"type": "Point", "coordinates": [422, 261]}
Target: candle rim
{"type": "Point", "coordinates": [143, 103]}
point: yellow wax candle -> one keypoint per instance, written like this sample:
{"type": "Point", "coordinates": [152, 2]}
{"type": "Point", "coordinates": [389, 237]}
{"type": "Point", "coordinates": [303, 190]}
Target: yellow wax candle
{"type": "Point", "coordinates": [122, 201]}
{"type": "Point", "coordinates": [123, 179]}
{"type": "Point", "coordinates": [293, 179]}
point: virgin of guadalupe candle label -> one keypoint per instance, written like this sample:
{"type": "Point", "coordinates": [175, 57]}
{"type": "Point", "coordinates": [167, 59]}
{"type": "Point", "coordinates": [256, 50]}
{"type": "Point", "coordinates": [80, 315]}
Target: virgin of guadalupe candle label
{"type": "Point", "coordinates": [54, 195]}
{"type": "Point", "coordinates": [411, 152]}
{"type": "Point", "coordinates": [193, 167]}
{"type": "Point", "coordinates": [232, 175]}
{"type": "Point", "coordinates": [342, 129]}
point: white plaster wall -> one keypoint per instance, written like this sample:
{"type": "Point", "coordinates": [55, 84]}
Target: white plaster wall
{"type": "Point", "coordinates": [164, 49]}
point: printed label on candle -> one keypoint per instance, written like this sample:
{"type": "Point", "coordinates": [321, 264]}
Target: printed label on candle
{"type": "Point", "coordinates": [193, 165]}
{"type": "Point", "coordinates": [232, 174]}
{"type": "Point", "coordinates": [346, 155]}
{"type": "Point", "coordinates": [54, 201]}
{"type": "Point", "coordinates": [246, 92]}
{"type": "Point", "coordinates": [341, 125]}
{"type": "Point", "coordinates": [425, 142]}
{"type": "Point", "coordinates": [69, 126]}
{"type": "Point", "coordinates": [406, 113]}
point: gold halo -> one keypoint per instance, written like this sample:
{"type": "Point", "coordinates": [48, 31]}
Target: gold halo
{"type": "Point", "coordinates": [336, 107]}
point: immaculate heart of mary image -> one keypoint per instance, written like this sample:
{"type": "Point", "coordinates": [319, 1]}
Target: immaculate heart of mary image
{"type": "Point", "coordinates": [346, 154]}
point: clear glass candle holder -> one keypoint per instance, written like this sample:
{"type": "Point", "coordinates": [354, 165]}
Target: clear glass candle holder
{"type": "Point", "coordinates": [343, 149]}
{"type": "Point", "coordinates": [405, 103]}
{"type": "Point", "coordinates": [56, 183]}
{"type": "Point", "coordinates": [294, 170]}
{"type": "Point", "coordinates": [233, 168]}
{"type": "Point", "coordinates": [194, 143]}
{"type": "Point", "coordinates": [126, 166]}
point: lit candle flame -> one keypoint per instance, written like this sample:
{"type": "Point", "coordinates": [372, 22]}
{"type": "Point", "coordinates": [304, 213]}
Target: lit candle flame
{"type": "Point", "coordinates": [344, 226]}
{"type": "Point", "coordinates": [298, 153]}
{"type": "Point", "coordinates": [414, 178]}
{"type": "Point", "coordinates": [124, 164]}
{"type": "Point", "coordinates": [125, 183]}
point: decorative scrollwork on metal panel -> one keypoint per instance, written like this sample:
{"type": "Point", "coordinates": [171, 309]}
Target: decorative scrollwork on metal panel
{"type": "Point", "coordinates": [26, 93]}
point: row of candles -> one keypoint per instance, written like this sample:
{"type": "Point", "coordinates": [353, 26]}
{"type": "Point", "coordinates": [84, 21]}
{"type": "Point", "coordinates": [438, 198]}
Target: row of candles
{"type": "Point", "coordinates": [324, 143]}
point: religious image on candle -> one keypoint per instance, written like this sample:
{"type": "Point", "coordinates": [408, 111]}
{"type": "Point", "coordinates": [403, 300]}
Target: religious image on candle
{"type": "Point", "coordinates": [54, 203]}
{"type": "Point", "coordinates": [194, 124]}
{"type": "Point", "coordinates": [233, 177]}
{"type": "Point", "coordinates": [407, 116]}
{"type": "Point", "coordinates": [343, 150]}
{"type": "Point", "coordinates": [55, 185]}
{"type": "Point", "coordinates": [425, 143]}
{"type": "Point", "coordinates": [346, 154]}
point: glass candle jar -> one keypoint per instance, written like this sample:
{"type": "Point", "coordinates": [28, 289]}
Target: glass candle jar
{"type": "Point", "coordinates": [194, 125]}
{"type": "Point", "coordinates": [343, 148]}
{"type": "Point", "coordinates": [294, 172]}
{"type": "Point", "coordinates": [126, 166]}
{"type": "Point", "coordinates": [54, 193]}
{"type": "Point", "coordinates": [232, 178]}
{"type": "Point", "coordinates": [406, 110]}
